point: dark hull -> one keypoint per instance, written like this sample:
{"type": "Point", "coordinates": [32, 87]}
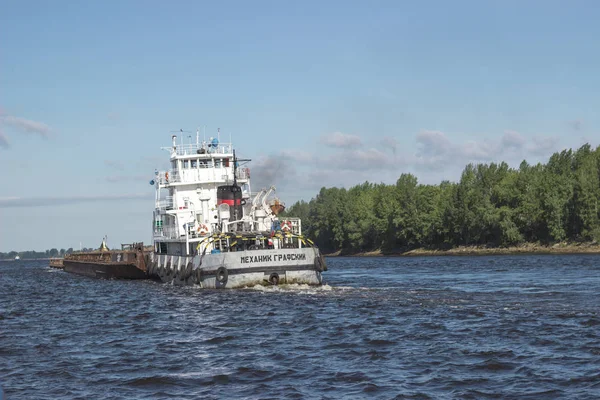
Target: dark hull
{"type": "Point", "coordinates": [110, 270]}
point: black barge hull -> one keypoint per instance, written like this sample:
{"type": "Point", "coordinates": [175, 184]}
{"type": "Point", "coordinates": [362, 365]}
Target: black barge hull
{"type": "Point", "coordinates": [128, 263]}
{"type": "Point", "coordinates": [104, 270]}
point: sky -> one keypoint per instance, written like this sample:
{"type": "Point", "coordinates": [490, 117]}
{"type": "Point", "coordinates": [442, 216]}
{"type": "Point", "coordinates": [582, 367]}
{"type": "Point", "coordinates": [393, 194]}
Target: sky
{"type": "Point", "coordinates": [316, 93]}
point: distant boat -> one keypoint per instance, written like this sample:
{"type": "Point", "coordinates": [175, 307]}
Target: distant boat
{"type": "Point", "coordinates": [17, 258]}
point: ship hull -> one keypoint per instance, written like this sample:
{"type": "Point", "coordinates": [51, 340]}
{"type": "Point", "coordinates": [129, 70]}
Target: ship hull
{"type": "Point", "coordinates": [104, 270]}
{"type": "Point", "coordinates": [241, 269]}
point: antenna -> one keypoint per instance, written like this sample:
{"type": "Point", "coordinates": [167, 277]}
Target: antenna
{"type": "Point", "coordinates": [234, 169]}
{"type": "Point", "coordinates": [197, 136]}
{"type": "Point", "coordinates": [235, 188]}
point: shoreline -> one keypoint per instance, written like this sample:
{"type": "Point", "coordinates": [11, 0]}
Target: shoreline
{"type": "Point", "coordinates": [525, 249]}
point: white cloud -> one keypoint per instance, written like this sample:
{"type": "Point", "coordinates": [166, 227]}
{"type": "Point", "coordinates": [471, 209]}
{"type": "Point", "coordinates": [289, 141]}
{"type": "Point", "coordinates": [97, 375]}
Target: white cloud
{"type": "Point", "coordinates": [512, 139]}
{"type": "Point", "coordinates": [389, 142]}
{"type": "Point", "coordinates": [21, 126]}
{"type": "Point", "coordinates": [433, 142]}
{"type": "Point", "coordinates": [26, 125]}
{"type": "Point", "coordinates": [477, 151]}
{"type": "Point", "coordinates": [341, 140]}
{"type": "Point", "coordinates": [434, 149]}
{"type": "Point", "coordinates": [543, 145]}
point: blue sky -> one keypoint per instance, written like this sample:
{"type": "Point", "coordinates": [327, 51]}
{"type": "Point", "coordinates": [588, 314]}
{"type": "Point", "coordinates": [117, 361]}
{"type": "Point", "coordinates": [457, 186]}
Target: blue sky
{"type": "Point", "coordinates": [316, 93]}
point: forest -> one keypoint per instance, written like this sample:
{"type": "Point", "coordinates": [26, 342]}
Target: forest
{"type": "Point", "coordinates": [32, 254]}
{"type": "Point", "coordinates": [492, 205]}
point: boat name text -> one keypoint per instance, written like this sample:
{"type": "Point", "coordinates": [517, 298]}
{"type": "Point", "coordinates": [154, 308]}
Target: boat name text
{"type": "Point", "coordinates": [273, 258]}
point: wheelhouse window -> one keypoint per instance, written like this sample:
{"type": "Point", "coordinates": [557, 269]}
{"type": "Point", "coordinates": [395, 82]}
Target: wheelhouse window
{"type": "Point", "coordinates": [186, 164]}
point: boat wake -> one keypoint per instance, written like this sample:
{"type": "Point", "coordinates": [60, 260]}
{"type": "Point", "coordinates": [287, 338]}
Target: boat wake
{"type": "Point", "coordinates": [294, 287]}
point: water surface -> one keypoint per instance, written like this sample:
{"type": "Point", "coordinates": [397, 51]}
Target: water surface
{"type": "Point", "coordinates": [426, 327]}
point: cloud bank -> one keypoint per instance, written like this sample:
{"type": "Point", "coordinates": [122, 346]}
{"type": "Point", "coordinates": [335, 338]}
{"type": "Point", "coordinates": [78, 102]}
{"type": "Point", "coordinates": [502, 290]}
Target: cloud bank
{"type": "Point", "coordinates": [436, 150]}
{"type": "Point", "coordinates": [12, 202]}
{"type": "Point", "coordinates": [347, 160]}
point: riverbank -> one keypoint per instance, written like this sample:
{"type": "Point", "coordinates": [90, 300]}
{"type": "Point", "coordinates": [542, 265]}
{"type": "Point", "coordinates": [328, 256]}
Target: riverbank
{"type": "Point", "coordinates": [528, 248]}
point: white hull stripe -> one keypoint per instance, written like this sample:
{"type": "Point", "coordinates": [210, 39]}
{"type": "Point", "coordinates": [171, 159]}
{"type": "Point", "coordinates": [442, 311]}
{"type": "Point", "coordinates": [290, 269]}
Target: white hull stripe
{"type": "Point", "coordinates": [266, 270]}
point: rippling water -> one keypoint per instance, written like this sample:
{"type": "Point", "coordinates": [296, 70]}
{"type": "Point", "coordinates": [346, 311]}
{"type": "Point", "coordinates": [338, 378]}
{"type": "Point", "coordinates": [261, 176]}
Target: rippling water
{"type": "Point", "coordinates": [431, 327]}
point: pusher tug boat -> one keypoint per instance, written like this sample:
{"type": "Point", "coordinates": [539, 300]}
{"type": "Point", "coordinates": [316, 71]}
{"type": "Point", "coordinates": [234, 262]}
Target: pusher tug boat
{"type": "Point", "coordinates": [210, 230]}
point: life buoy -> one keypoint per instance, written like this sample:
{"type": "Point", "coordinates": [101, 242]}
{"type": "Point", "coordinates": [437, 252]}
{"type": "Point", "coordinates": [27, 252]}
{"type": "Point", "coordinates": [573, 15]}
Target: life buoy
{"type": "Point", "coordinates": [221, 276]}
{"type": "Point", "coordinates": [202, 230]}
{"type": "Point", "coordinates": [286, 226]}
{"type": "Point", "coordinates": [167, 176]}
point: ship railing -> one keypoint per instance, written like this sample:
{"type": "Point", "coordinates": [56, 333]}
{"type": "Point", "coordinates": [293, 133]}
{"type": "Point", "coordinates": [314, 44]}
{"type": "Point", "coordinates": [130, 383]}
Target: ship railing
{"type": "Point", "coordinates": [166, 177]}
{"type": "Point", "coordinates": [165, 204]}
{"type": "Point", "coordinates": [193, 148]}
{"type": "Point", "coordinates": [167, 232]}
{"type": "Point", "coordinates": [242, 173]}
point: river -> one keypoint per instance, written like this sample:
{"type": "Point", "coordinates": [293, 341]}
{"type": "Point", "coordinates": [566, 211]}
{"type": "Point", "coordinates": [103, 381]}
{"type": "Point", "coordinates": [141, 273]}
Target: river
{"type": "Point", "coordinates": [404, 328]}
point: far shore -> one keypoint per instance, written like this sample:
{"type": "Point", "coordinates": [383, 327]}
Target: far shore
{"type": "Point", "coordinates": [529, 248]}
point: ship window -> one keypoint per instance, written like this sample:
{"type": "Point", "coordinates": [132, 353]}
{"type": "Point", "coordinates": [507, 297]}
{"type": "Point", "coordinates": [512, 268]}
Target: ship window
{"type": "Point", "coordinates": [185, 164]}
{"type": "Point", "coordinates": [162, 248]}
{"type": "Point", "coordinates": [194, 163]}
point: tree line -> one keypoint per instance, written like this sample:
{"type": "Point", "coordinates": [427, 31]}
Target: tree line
{"type": "Point", "coordinates": [32, 254]}
{"type": "Point", "coordinates": [492, 204]}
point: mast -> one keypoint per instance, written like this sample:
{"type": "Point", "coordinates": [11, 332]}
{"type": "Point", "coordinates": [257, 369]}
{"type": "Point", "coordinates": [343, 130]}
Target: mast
{"type": "Point", "coordinates": [234, 169]}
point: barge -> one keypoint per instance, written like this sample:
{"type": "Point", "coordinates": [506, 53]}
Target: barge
{"type": "Point", "coordinates": [128, 263]}
{"type": "Point", "coordinates": [56, 263]}
{"type": "Point", "coordinates": [211, 230]}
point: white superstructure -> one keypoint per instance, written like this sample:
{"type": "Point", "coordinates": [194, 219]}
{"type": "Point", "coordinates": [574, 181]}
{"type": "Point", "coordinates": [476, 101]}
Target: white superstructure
{"type": "Point", "coordinates": [205, 211]}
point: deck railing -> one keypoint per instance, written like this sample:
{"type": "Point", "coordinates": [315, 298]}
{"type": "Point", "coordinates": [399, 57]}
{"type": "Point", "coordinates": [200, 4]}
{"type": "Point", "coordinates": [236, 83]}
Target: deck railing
{"type": "Point", "coordinates": [168, 232]}
{"type": "Point", "coordinates": [165, 204]}
{"type": "Point", "coordinates": [175, 176]}
{"type": "Point", "coordinates": [192, 148]}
